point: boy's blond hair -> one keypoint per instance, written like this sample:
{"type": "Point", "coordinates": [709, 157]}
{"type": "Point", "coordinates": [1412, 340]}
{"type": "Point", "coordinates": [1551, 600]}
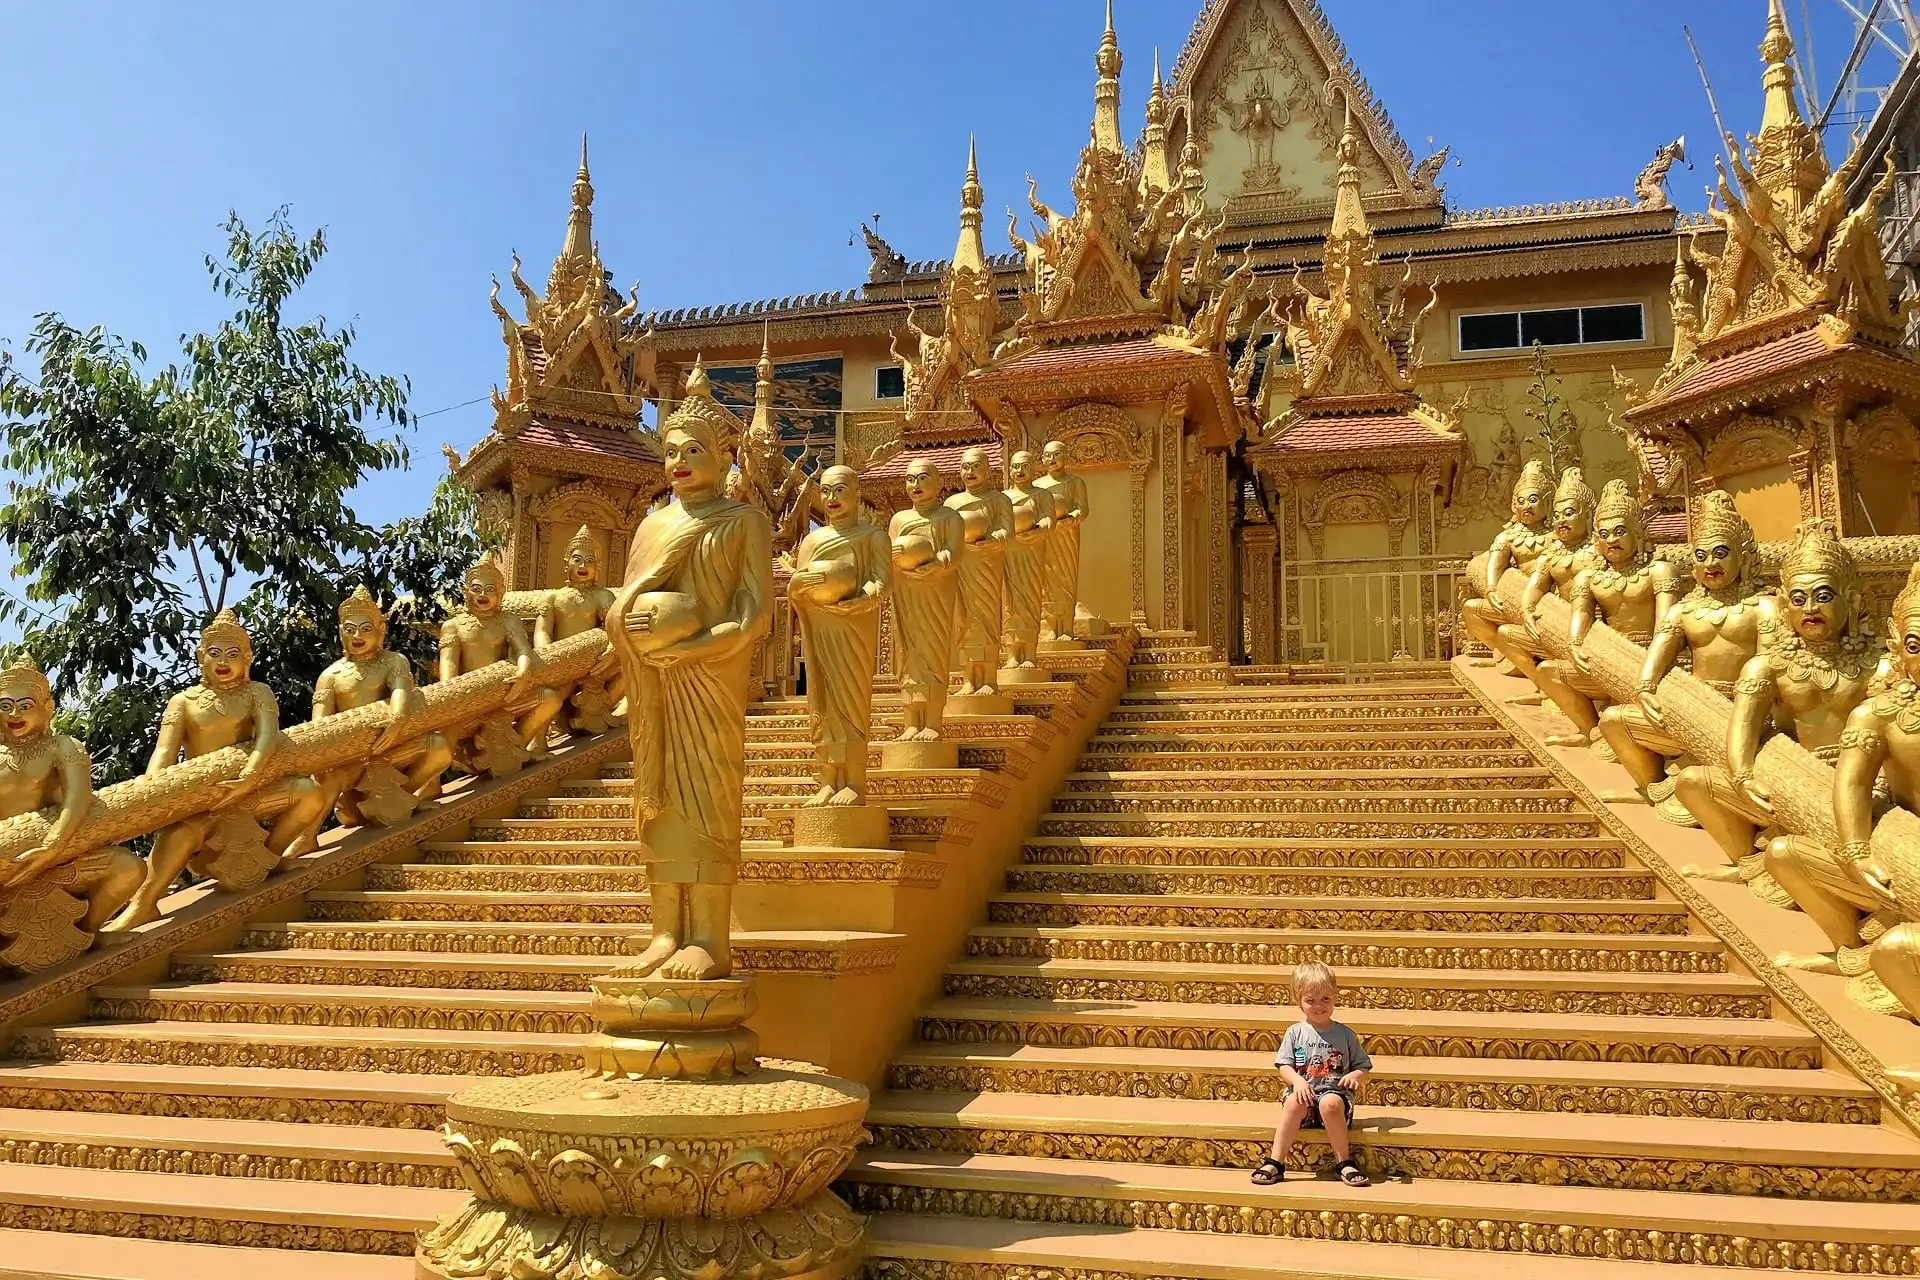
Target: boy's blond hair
{"type": "Point", "coordinates": [1312, 975]}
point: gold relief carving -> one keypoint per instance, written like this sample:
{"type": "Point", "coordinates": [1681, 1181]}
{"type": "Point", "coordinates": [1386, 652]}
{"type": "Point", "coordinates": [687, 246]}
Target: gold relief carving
{"type": "Point", "coordinates": [1752, 442]}
{"type": "Point", "coordinates": [222, 1231]}
{"type": "Point", "coordinates": [1461, 920]}
{"type": "Point", "coordinates": [1172, 421]}
{"type": "Point", "coordinates": [1339, 953]}
{"type": "Point", "coordinates": [303, 1167]}
{"type": "Point", "coordinates": [1576, 885]}
{"type": "Point", "coordinates": [233, 1106]}
{"type": "Point", "coordinates": [1354, 497]}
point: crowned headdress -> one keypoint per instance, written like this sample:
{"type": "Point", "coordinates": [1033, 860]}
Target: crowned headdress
{"type": "Point", "coordinates": [225, 629]}
{"type": "Point", "coordinates": [699, 415]}
{"type": "Point", "coordinates": [1816, 548]}
{"type": "Point", "coordinates": [1719, 521]}
{"type": "Point", "coordinates": [1617, 502]}
{"type": "Point", "coordinates": [1907, 603]}
{"type": "Point", "coordinates": [24, 675]}
{"type": "Point", "coordinates": [1533, 478]}
{"type": "Point", "coordinates": [361, 605]}
{"type": "Point", "coordinates": [1573, 488]}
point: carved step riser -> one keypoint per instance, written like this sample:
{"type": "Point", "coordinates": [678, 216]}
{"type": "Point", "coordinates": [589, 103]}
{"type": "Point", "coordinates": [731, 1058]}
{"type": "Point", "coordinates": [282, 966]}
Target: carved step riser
{"type": "Point", "coordinates": [1370, 919]}
{"type": "Point", "coordinates": [1174, 809]}
{"type": "Point", "coordinates": [193, 1230]}
{"type": "Point", "coordinates": [507, 879]}
{"type": "Point", "coordinates": [1418, 999]}
{"type": "Point", "coordinates": [1267, 882]}
{"type": "Point", "coordinates": [1121, 739]}
{"type": "Point", "coordinates": [1068, 1033]}
{"type": "Point", "coordinates": [1340, 955]}
{"type": "Point", "coordinates": [266, 969]}
{"type": "Point", "coordinates": [1361, 712]}
{"type": "Point", "coordinates": [1626, 1242]}
{"type": "Point", "coordinates": [370, 1112]}
{"type": "Point", "coordinates": [1197, 757]}
{"type": "Point", "coordinates": [532, 853]}
{"type": "Point", "coordinates": [341, 1053]}
{"type": "Point", "coordinates": [1545, 857]}
{"type": "Point", "coordinates": [628, 914]}
{"type": "Point", "coordinates": [1479, 728]}
{"type": "Point", "coordinates": [293, 1011]}
{"type": "Point", "coordinates": [310, 1167]}
{"type": "Point", "coordinates": [1306, 827]}
{"type": "Point", "coordinates": [1122, 784]}
{"type": "Point", "coordinates": [610, 945]}
{"type": "Point", "coordinates": [1558, 1168]}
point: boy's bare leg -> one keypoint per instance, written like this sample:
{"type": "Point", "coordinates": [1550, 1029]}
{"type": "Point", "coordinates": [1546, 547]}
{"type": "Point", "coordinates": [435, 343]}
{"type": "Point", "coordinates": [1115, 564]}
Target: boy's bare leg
{"type": "Point", "coordinates": [1333, 1116]}
{"type": "Point", "coordinates": [1293, 1111]}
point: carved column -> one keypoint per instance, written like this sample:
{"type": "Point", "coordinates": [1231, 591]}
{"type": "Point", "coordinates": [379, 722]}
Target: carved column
{"type": "Point", "coordinates": [520, 560]}
{"type": "Point", "coordinates": [1172, 466]}
{"type": "Point", "coordinates": [1830, 408]}
{"type": "Point", "coordinates": [1258, 542]}
{"type": "Point", "coordinates": [1219, 516]}
{"type": "Point", "coordinates": [1137, 494]}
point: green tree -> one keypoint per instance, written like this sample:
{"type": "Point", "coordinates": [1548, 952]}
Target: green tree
{"type": "Point", "coordinates": [143, 503]}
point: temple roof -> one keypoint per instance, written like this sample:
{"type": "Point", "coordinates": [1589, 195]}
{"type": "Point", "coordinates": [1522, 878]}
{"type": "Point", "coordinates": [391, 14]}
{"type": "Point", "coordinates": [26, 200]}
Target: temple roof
{"type": "Point", "coordinates": [1364, 432]}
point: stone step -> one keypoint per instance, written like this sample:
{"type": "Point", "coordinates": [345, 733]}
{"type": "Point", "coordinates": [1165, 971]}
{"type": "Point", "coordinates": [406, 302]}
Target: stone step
{"type": "Point", "coordinates": [260, 1213]}
{"type": "Point", "coordinates": [546, 853]}
{"type": "Point", "coordinates": [339, 1005]}
{"type": "Point", "coordinates": [1745, 1042]}
{"type": "Point", "coordinates": [1302, 738]}
{"type": "Point", "coordinates": [630, 909]}
{"type": "Point", "coordinates": [461, 971]}
{"type": "Point", "coordinates": [1777, 1158]}
{"type": "Point", "coordinates": [1285, 851]}
{"type": "Point", "coordinates": [1290, 727]}
{"type": "Point", "coordinates": [1383, 825]}
{"type": "Point", "coordinates": [530, 868]}
{"type": "Point", "coordinates": [828, 951]}
{"type": "Point", "coordinates": [289, 1095]}
{"type": "Point", "coordinates": [1251, 781]}
{"type": "Point", "coordinates": [1117, 755]}
{"type": "Point", "coordinates": [1442, 915]}
{"type": "Point", "coordinates": [1482, 1220]}
{"type": "Point", "coordinates": [1397, 691]}
{"type": "Point", "coordinates": [1411, 949]}
{"type": "Point", "coordinates": [1174, 805]}
{"type": "Point", "coordinates": [242, 1044]}
{"type": "Point", "coordinates": [227, 1148]}
{"type": "Point", "coordinates": [1611, 884]}
{"type": "Point", "coordinates": [1212, 711]}
{"type": "Point", "coordinates": [67, 1255]}
{"type": "Point", "coordinates": [497, 877]}
{"type": "Point", "coordinates": [1656, 995]}
{"type": "Point", "coordinates": [1605, 1088]}
{"type": "Point", "coordinates": [900, 1245]}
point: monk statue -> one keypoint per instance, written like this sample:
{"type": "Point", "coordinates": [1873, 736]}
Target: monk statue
{"type": "Point", "coordinates": [1629, 590]}
{"type": "Point", "coordinates": [480, 635]}
{"type": "Point", "coordinates": [1555, 570]}
{"type": "Point", "coordinates": [698, 595]}
{"type": "Point", "coordinates": [51, 774]}
{"type": "Point", "coordinates": [842, 573]}
{"type": "Point", "coordinates": [369, 672]}
{"type": "Point", "coordinates": [1070, 511]}
{"type": "Point", "coordinates": [987, 518]}
{"type": "Point", "coordinates": [226, 709]}
{"type": "Point", "coordinates": [580, 605]}
{"type": "Point", "coordinates": [1717, 624]}
{"type": "Point", "coordinates": [1032, 511]}
{"type": "Point", "coordinates": [1814, 666]}
{"type": "Point", "coordinates": [1517, 546]}
{"type": "Point", "coordinates": [927, 540]}
{"type": "Point", "coordinates": [1848, 892]}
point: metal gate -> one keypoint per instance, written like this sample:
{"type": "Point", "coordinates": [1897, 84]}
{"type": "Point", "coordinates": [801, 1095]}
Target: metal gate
{"type": "Point", "coordinates": [1351, 612]}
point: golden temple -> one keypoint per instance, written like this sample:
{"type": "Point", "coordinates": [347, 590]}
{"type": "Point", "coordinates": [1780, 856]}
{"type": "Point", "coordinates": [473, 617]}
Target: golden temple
{"type": "Point", "coordinates": [868, 817]}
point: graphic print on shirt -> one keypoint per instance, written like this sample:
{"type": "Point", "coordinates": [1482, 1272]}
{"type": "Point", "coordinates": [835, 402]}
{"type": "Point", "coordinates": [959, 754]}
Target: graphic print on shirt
{"type": "Point", "coordinates": [1319, 1068]}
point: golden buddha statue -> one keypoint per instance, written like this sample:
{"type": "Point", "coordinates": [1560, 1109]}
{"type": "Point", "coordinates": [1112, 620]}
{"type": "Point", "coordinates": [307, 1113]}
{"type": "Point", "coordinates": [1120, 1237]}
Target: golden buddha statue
{"type": "Point", "coordinates": [697, 596]}
{"type": "Point", "coordinates": [1517, 546]}
{"type": "Point", "coordinates": [1032, 524]}
{"type": "Point", "coordinates": [1555, 569]}
{"type": "Point", "coordinates": [479, 635]}
{"type": "Point", "coordinates": [51, 774]}
{"type": "Point", "coordinates": [1629, 590]}
{"type": "Point", "coordinates": [1814, 666]}
{"type": "Point", "coordinates": [1070, 510]}
{"type": "Point", "coordinates": [987, 518]}
{"type": "Point", "coordinates": [1717, 624]}
{"type": "Point", "coordinates": [1840, 890]}
{"type": "Point", "coordinates": [369, 672]}
{"type": "Point", "coordinates": [580, 605]}
{"type": "Point", "coordinates": [226, 709]}
{"type": "Point", "coordinates": [927, 541]}
{"type": "Point", "coordinates": [844, 569]}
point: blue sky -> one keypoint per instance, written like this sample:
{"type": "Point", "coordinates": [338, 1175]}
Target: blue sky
{"type": "Point", "coordinates": [736, 143]}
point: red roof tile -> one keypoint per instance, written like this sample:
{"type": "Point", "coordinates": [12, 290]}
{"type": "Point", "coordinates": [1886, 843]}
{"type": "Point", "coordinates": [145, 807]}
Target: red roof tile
{"type": "Point", "coordinates": [587, 438]}
{"type": "Point", "coordinates": [1362, 431]}
{"type": "Point", "coordinates": [1667, 526]}
{"type": "Point", "coordinates": [1755, 362]}
{"type": "Point", "coordinates": [1089, 356]}
{"type": "Point", "coordinates": [946, 455]}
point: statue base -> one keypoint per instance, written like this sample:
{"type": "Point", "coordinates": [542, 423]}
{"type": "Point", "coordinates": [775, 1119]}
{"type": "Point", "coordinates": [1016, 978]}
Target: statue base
{"type": "Point", "coordinates": [1062, 644]}
{"type": "Point", "coordinates": [979, 704]}
{"type": "Point", "coordinates": [1023, 675]}
{"type": "Point", "coordinates": [722, 1174]}
{"type": "Point", "coordinates": [938, 753]}
{"type": "Point", "coordinates": [842, 826]}
{"type": "Point", "coordinates": [1091, 625]}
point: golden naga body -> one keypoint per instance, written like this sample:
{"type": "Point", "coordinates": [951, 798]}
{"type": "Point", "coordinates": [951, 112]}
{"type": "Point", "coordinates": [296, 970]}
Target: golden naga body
{"type": "Point", "coordinates": [844, 574]}
{"type": "Point", "coordinates": [697, 596]}
{"type": "Point", "coordinates": [1070, 511]}
{"type": "Point", "coordinates": [225, 709]}
{"type": "Point", "coordinates": [1630, 591]}
{"type": "Point", "coordinates": [1717, 625]}
{"type": "Point", "coordinates": [56, 895]}
{"type": "Point", "coordinates": [479, 636]}
{"type": "Point", "coordinates": [1554, 570]}
{"type": "Point", "coordinates": [1518, 546]}
{"type": "Point", "coordinates": [396, 780]}
{"type": "Point", "coordinates": [927, 542]}
{"type": "Point", "coordinates": [572, 609]}
{"type": "Point", "coordinates": [1026, 569]}
{"type": "Point", "coordinates": [1814, 667]}
{"type": "Point", "coordinates": [987, 518]}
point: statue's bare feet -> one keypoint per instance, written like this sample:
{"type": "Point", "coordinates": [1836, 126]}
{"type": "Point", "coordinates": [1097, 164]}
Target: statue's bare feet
{"type": "Point", "coordinates": [693, 963]}
{"type": "Point", "coordinates": [1566, 739]}
{"type": "Point", "coordinates": [927, 735]}
{"type": "Point", "coordinates": [1907, 1077]}
{"type": "Point", "coordinates": [907, 734]}
{"type": "Point", "coordinates": [1728, 874]}
{"type": "Point", "coordinates": [1622, 797]}
{"type": "Point", "coordinates": [967, 690]}
{"type": "Point", "coordinates": [844, 797]}
{"type": "Point", "coordinates": [1525, 700]}
{"type": "Point", "coordinates": [132, 917]}
{"type": "Point", "coordinates": [823, 796]}
{"type": "Point", "coordinates": [1819, 962]}
{"type": "Point", "coordinates": [655, 955]}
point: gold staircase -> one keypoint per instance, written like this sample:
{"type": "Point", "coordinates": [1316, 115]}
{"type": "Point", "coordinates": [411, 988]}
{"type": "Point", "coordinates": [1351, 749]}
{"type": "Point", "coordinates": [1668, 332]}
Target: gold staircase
{"type": "Point", "coordinates": [1574, 1080]}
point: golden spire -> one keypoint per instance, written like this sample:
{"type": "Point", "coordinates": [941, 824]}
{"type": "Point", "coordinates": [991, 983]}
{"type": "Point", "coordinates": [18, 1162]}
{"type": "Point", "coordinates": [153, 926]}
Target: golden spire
{"type": "Point", "coordinates": [971, 253]}
{"type": "Point", "coordinates": [1155, 172]}
{"type": "Point", "coordinates": [1349, 211]}
{"type": "Point", "coordinates": [763, 424]}
{"type": "Point", "coordinates": [580, 220]}
{"type": "Point", "coordinates": [1106, 93]}
{"type": "Point", "coordinates": [1787, 158]}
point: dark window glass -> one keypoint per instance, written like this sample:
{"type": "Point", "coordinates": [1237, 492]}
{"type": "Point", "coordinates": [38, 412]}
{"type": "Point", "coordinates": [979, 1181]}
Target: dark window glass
{"type": "Point", "coordinates": [1490, 333]}
{"type": "Point", "coordinates": [1550, 328]}
{"type": "Point", "coordinates": [890, 382]}
{"type": "Point", "coordinates": [1612, 324]}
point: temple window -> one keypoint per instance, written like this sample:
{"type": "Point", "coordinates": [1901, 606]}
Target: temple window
{"type": "Point", "coordinates": [889, 382]}
{"type": "Point", "coordinates": [1553, 327]}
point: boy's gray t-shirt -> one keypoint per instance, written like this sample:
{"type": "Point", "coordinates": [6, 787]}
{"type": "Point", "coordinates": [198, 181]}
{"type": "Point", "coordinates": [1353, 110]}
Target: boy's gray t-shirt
{"type": "Point", "coordinates": [1322, 1057]}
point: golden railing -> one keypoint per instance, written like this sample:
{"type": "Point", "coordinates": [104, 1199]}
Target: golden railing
{"type": "Point", "coordinates": [1350, 612]}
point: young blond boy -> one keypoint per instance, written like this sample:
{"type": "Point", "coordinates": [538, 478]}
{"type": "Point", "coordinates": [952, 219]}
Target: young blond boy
{"type": "Point", "coordinates": [1324, 1064]}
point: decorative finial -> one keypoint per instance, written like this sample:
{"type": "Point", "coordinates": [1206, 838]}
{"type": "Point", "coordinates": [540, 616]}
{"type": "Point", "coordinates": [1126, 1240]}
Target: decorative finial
{"type": "Point", "coordinates": [224, 629]}
{"type": "Point", "coordinates": [970, 254]}
{"type": "Point", "coordinates": [697, 382]}
{"type": "Point", "coordinates": [1156, 69]}
{"type": "Point", "coordinates": [1106, 94]}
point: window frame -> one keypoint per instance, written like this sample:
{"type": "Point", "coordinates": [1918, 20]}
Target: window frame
{"type": "Point", "coordinates": [1580, 308]}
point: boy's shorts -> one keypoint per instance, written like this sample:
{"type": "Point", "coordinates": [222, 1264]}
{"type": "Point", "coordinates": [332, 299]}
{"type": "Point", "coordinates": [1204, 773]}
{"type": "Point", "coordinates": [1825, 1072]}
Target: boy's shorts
{"type": "Point", "coordinates": [1313, 1120]}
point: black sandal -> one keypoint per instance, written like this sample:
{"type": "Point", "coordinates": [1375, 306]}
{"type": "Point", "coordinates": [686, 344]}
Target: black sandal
{"type": "Point", "coordinates": [1268, 1172]}
{"type": "Point", "coordinates": [1349, 1173]}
